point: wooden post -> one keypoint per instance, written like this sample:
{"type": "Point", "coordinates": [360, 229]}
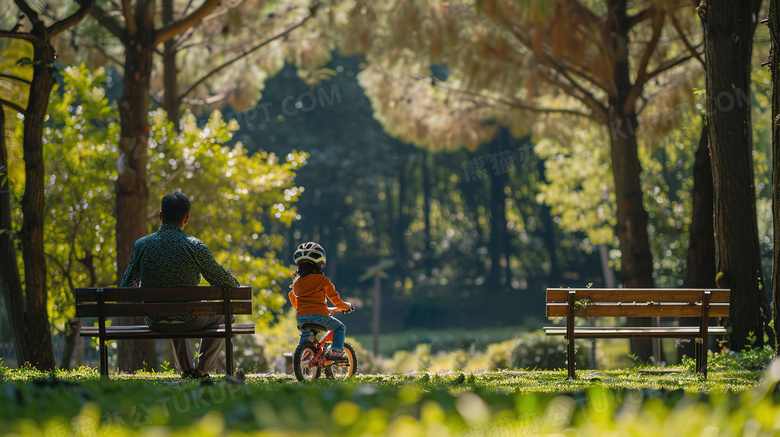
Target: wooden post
{"type": "Point", "coordinates": [377, 272]}
{"type": "Point", "coordinates": [377, 310]}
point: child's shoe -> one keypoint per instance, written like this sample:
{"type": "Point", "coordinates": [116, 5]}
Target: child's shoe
{"type": "Point", "coordinates": [337, 355]}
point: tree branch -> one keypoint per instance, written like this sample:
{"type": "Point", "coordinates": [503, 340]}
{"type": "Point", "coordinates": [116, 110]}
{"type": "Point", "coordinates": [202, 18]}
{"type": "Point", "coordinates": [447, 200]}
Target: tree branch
{"type": "Point", "coordinates": [641, 71]}
{"type": "Point", "coordinates": [12, 105]}
{"type": "Point", "coordinates": [27, 10]}
{"type": "Point", "coordinates": [18, 35]}
{"type": "Point", "coordinates": [185, 23]}
{"type": "Point", "coordinates": [127, 11]}
{"type": "Point", "coordinates": [107, 21]}
{"type": "Point", "coordinates": [640, 16]}
{"type": "Point", "coordinates": [511, 102]}
{"type": "Point", "coordinates": [243, 55]}
{"type": "Point", "coordinates": [684, 38]}
{"type": "Point", "coordinates": [8, 76]}
{"type": "Point", "coordinates": [571, 86]}
{"type": "Point", "coordinates": [77, 16]}
{"type": "Point", "coordinates": [207, 101]}
{"type": "Point", "coordinates": [668, 65]}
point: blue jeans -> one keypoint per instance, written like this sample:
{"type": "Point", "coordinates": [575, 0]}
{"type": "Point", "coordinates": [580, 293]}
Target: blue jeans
{"type": "Point", "coordinates": [332, 324]}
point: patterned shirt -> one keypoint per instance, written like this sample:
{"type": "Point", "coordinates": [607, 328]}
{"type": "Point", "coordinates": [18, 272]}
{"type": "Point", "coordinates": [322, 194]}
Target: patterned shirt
{"type": "Point", "coordinates": [171, 258]}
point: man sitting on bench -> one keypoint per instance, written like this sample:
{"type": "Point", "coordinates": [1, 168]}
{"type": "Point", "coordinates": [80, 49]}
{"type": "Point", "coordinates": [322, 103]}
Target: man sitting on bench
{"type": "Point", "coordinates": [171, 258]}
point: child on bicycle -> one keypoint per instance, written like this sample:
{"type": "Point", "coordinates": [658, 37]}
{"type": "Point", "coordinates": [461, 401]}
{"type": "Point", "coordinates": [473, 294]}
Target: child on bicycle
{"type": "Point", "coordinates": [310, 288]}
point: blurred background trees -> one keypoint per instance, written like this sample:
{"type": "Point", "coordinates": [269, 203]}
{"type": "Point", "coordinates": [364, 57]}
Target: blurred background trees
{"type": "Point", "coordinates": [491, 150]}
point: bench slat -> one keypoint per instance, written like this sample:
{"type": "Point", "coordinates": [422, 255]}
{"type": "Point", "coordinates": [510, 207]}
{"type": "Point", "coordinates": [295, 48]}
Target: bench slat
{"type": "Point", "coordinates": [180, 294]}
{"type": "Point", "coordinates": [638, 294]}
{"type": "Point", "coordinates": [144, 332]}
{"type": "Point", "coordinates": [638, 309]}
{"type": "Point", "coordinates": [161, 309]}
{"type": "Point", "coordinates": [635, 332]}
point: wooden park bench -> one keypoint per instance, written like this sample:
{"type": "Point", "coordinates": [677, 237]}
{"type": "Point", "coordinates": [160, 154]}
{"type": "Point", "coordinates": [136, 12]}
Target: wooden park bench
{"type": "Point", "coordinates": [184, 301]}
{"type": "Point", "coordinates": [636, 302]}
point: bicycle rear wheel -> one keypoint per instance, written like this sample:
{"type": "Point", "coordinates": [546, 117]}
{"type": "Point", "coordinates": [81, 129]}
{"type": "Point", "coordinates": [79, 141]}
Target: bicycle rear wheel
{"type": "Point", "coordinates": [344, 370]}
{"type": "Point", "coordinates": [302, 362]}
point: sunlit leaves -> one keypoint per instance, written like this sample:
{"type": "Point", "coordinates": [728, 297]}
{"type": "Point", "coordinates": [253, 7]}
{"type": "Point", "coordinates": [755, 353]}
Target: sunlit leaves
{"type": "Point", "coordinates": [239, 202]}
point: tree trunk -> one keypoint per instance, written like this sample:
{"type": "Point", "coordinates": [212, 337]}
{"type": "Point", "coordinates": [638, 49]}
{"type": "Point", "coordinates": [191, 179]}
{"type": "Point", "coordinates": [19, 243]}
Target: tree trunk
{"type": "Point", "coordinates": [636, 261]}
{"type": "Point", "coordinates": [131, 190]}
{"type": "Point", "coordinates": [37, 349]}
{"type": "Point", "coordinates": [774, 29]}
{"type": "Point", "coordinates": [10, 282]}
{"type": "Point", "coordinates": [728, 38]}
{"type": "Point", "coordinates": [550, 241]}
{"type": "Point", "coordinates": [400, 223]}
{"type": "Point", "coordinates": [700, 271]}
{"type": "Point", "coordinates": [170, 84]}
{"type": "Point", "coordinates": [426, 188]}
{"type": "Point", "coordinates": [497, 218]}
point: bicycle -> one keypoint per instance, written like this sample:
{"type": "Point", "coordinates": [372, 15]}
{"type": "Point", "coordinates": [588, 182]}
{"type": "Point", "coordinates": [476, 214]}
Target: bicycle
{"type": "Point", "coordinates": [310, 357]}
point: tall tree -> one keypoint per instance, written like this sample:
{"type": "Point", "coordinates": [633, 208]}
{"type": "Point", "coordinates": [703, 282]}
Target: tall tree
{"type": "Point", "coordinates": [235, 48]}
{"type": "Point", "coordinates": [774, 65]}
{"type": "Point", "coordinates": [35, 344]}
{"type": "Point", "coordinates": [607, 57]}
{"type": "Point", "coordinates": [728, 35]}
{"type": "Point", "coordinates": [15, 79]}
{"type": "Point", "coordinates": [700, 271]}
{"type": "Point", "coordinates": [135, 25]}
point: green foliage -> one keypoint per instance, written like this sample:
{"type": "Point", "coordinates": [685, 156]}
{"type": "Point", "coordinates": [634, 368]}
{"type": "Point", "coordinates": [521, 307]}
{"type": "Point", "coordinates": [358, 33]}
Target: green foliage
{"type": "Point", "coordinates": [240, 203]}
{"type": "Point", "coordinates": [499, 354]}
{"type": "Point", "coordinates": [730, 361]}
{"type": "Point", "coordinates": [536, 350]}
{"type": "Point", "coordinates": [80, 143]}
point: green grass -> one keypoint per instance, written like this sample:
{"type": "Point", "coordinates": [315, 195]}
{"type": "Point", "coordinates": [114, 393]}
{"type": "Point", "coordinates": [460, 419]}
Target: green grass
{"type": "Point", "coordinates": [635, 401]}
{"type": "Point", "coordinates": [440, 339]}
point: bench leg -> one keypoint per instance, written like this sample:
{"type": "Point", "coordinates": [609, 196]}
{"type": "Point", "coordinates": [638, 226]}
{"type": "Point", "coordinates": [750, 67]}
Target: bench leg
{"type": "Point", "coordinates": [704, 350]}
{"type": "Point", "coordinates": [697, 354]}
{"type": "Point", "coordinates": [103, 358]}
{"type": "Point", "coordinates": [570, 355]}
{"type": "Point", "coordinates": [229, 355]}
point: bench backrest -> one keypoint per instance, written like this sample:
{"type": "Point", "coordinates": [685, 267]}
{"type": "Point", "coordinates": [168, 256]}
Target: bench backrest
{"type": "Point", "coordinates": [184, 301]}
{"type": "Point", "coordinates": [637, 302]}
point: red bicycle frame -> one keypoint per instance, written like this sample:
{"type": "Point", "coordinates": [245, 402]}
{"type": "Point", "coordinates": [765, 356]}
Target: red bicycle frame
{"type": "Point", "coordinates": [319, 360]}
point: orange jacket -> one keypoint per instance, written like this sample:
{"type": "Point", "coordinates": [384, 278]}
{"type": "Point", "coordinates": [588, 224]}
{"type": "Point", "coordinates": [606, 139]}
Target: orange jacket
{"type": "Point", "coordinates": [309, 293]}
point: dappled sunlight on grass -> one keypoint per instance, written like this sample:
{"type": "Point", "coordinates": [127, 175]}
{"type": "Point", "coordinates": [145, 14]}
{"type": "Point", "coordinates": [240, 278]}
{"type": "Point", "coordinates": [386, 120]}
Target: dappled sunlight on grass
{"type": "Point", "coordinates": [635, 401]}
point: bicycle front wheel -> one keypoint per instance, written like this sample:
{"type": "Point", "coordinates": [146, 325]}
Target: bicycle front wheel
{"type": "Point", "coordinates": [303, 364]}
{"type": "Point", "coordinates": [346, 369]}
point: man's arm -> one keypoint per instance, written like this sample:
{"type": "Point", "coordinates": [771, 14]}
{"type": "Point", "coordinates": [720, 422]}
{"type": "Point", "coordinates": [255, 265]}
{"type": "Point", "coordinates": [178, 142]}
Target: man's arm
{"type": "Point", "coordinates": [212, 270]}
{"type": "Point", "coordinates": [132, 276]}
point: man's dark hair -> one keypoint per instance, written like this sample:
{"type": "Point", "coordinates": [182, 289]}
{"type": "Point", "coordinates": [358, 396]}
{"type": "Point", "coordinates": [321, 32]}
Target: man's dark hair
{"type": "Point", "coordinates": [174, 208]}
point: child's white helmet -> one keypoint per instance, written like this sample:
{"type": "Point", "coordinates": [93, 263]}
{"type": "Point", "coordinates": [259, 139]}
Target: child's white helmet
{"type": "Point", "coordinates": [310, 251]}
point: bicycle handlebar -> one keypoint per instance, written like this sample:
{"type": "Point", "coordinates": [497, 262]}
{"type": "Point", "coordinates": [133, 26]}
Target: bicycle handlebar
{"type": "Point", "coordinates": [332, 310]}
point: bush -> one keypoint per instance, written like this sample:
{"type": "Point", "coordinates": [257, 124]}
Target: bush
{"type": "Point", "coordinates": [536, 350]}
{"type": "Point", "coordinates": [749, 359]}
{"type": "Point", "coordinates": [419, 359]}
{"type": "Point", "coordinates": [498, 354]}
{"type": "Point", "coordinates": [249, 354]}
